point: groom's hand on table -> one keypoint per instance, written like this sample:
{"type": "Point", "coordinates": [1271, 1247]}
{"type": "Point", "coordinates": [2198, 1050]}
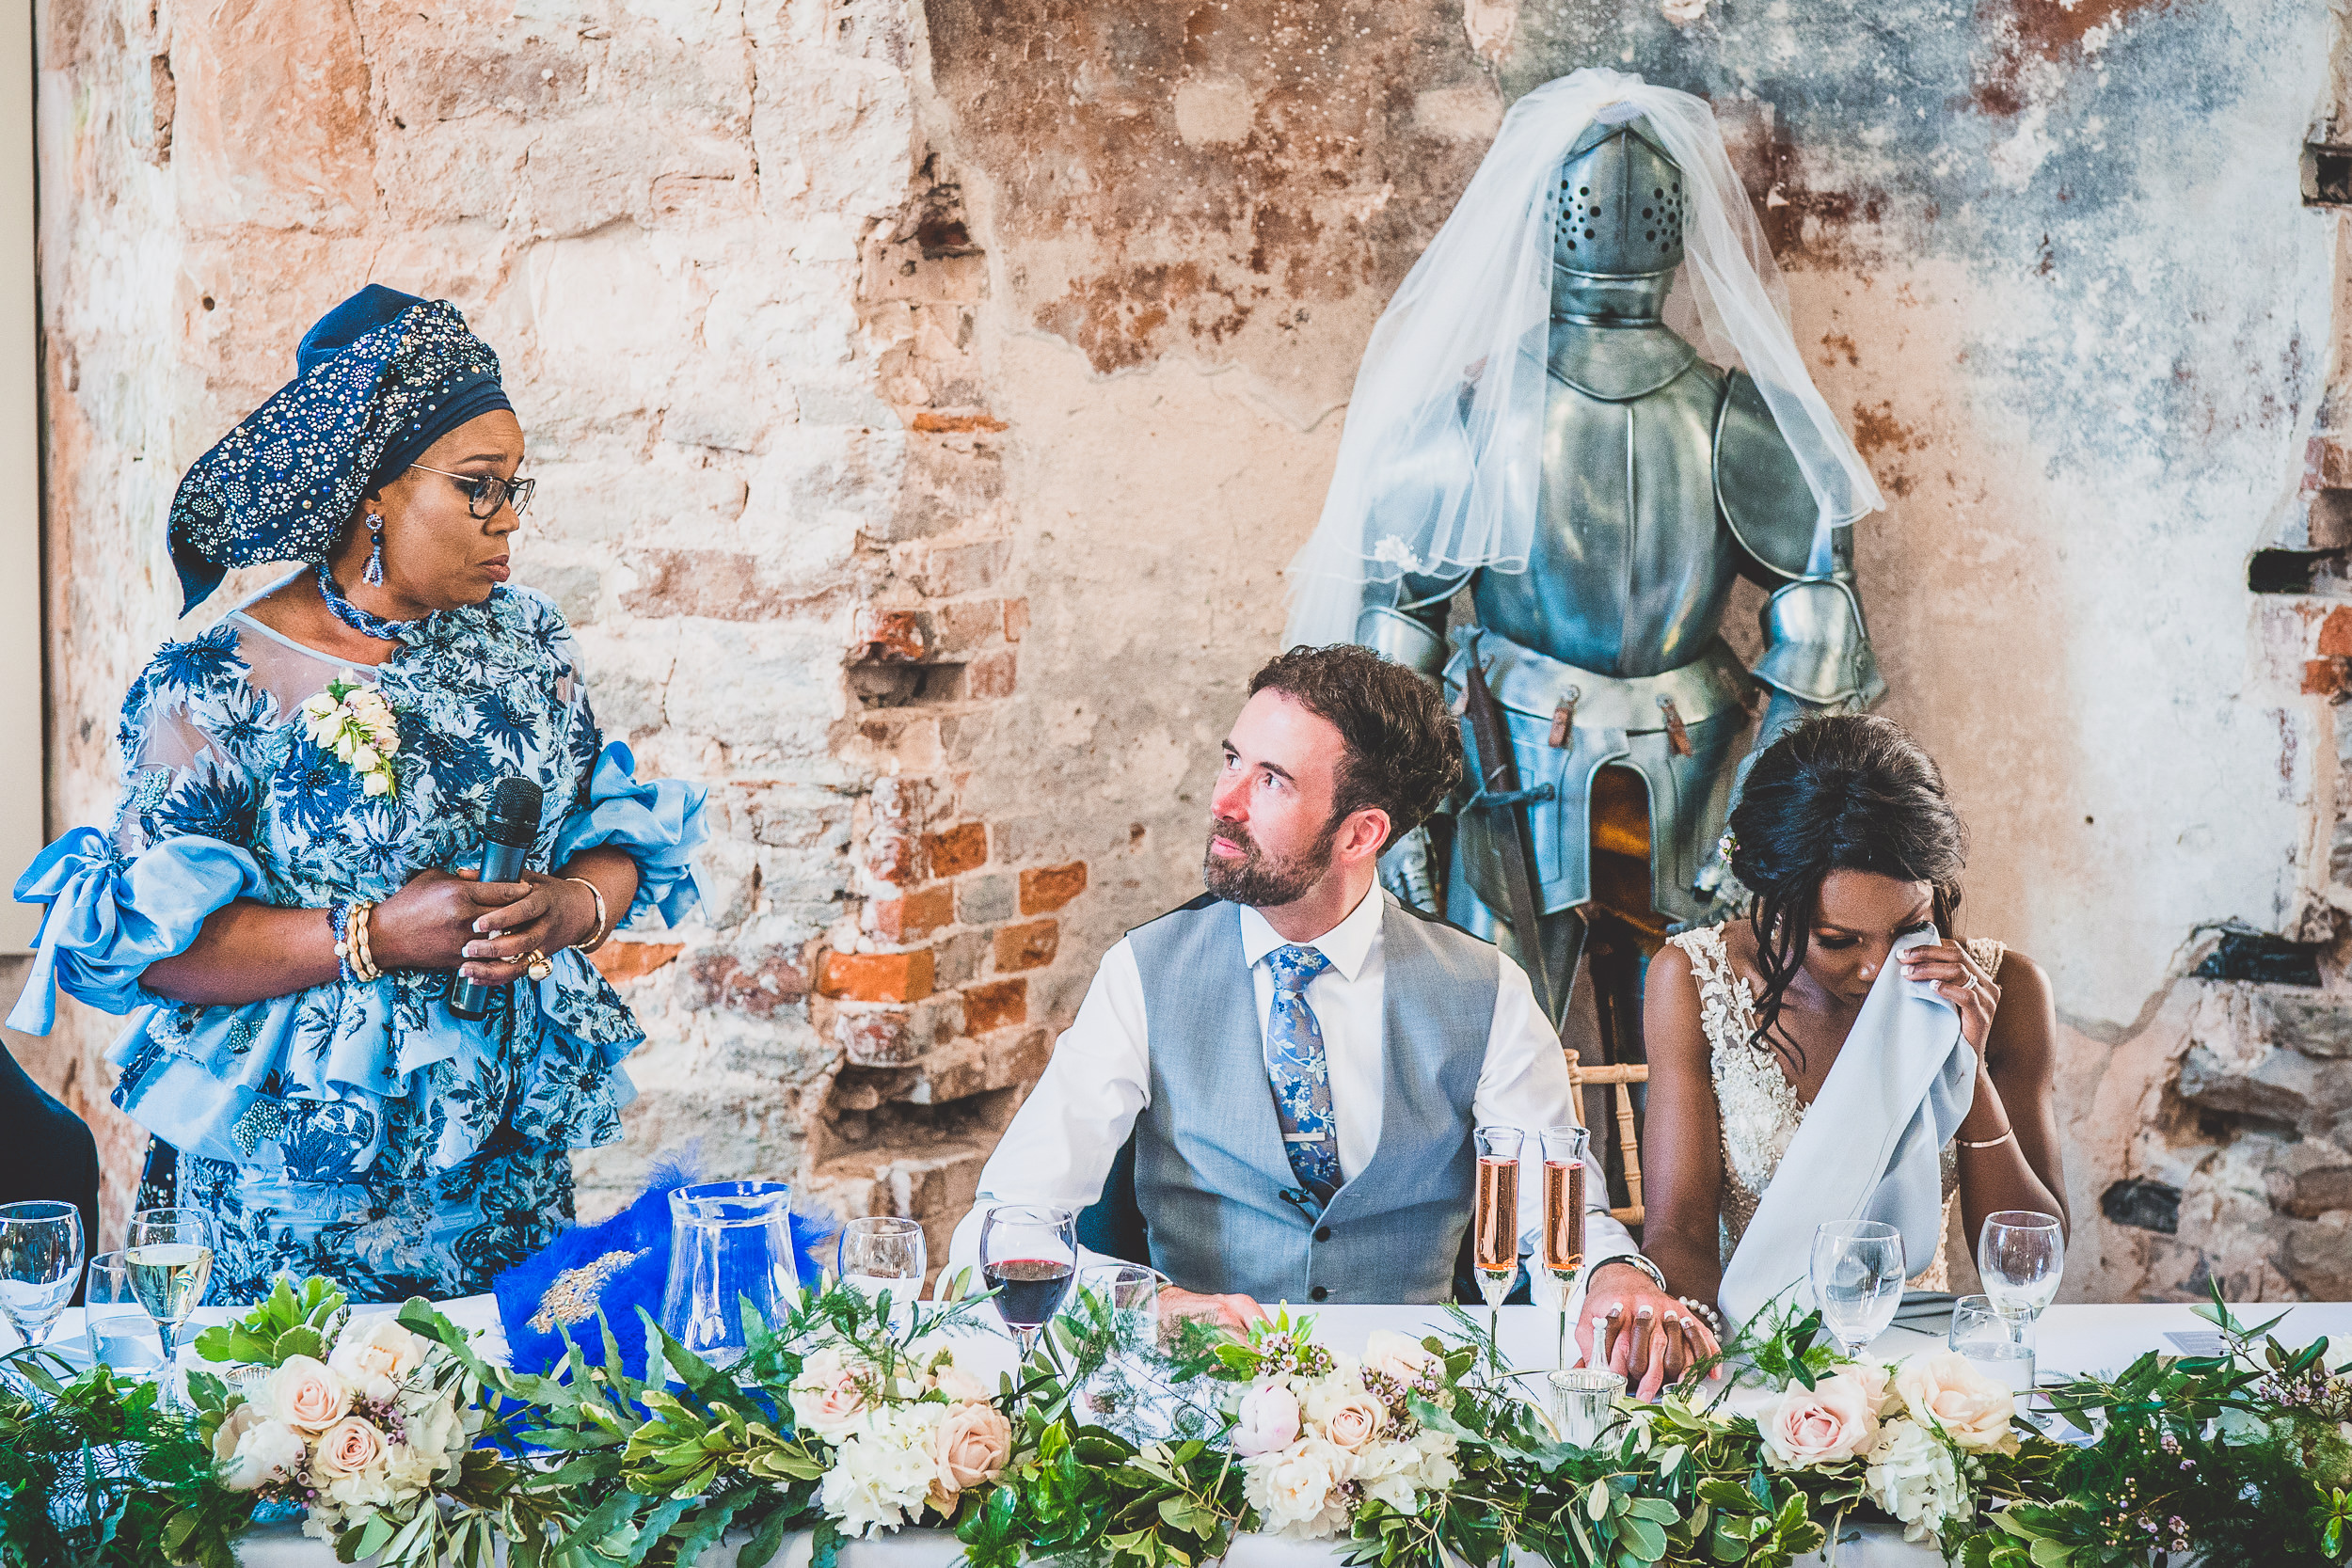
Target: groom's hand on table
{"type": "Point", "coordinates": [1645, 1334]}
{"type": "Point", "coordinates": [1232, 1312]}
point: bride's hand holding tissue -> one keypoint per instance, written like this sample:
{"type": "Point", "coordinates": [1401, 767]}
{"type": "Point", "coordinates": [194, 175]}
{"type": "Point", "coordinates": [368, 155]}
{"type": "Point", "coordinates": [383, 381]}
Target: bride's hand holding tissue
{"type": "Point", "coordinates": [1840, 1054]}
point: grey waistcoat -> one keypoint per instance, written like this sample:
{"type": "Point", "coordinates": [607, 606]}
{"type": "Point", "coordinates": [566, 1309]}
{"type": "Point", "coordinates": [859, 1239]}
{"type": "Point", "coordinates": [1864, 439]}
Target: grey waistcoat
{"type": "Point", "coordinates": [1210, 1167]}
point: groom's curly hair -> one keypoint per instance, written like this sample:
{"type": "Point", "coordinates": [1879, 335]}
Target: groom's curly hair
{"type": "Point", "coordinates": [1403, 750]}
{"type": "Point", "coordinates": [1840, 792]}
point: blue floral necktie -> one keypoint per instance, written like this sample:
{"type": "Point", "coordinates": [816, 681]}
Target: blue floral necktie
{"type": "Point", "coordinates": [1300, 1077]}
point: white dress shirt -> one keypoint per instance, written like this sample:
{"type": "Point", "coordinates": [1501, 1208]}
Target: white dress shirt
{"type": "Point", "coordinates": [1062, 1141]}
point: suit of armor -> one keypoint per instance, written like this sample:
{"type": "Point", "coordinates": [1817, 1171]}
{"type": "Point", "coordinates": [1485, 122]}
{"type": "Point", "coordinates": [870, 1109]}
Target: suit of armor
{"type": "Point", "coordinates": [1664, 479]}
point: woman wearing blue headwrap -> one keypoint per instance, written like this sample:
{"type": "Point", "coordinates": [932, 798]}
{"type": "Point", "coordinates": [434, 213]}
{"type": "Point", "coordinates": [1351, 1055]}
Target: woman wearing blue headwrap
{"type": "Point", "coordinates": [282, 900]}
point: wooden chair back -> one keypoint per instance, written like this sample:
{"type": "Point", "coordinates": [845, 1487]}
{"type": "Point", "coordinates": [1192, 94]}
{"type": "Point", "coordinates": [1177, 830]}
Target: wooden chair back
{"type": "Point", "coordinates": [1628, 1142]}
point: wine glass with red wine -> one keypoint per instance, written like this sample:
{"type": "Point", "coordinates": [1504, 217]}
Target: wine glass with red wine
{"type": "Point", "coordinates": [1028, 1257]}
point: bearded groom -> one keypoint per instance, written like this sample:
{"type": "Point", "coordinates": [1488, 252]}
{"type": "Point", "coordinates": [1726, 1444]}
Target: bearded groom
{"type": "Point", "coordinates": [1299, 1057]}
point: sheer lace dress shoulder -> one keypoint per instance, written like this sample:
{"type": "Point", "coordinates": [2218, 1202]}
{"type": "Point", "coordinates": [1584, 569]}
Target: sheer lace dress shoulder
{"type": "Point", "coordinates": [1756, 1106]}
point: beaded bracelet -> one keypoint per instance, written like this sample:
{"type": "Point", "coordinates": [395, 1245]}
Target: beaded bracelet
{"type": "Point", "coordinates": [339, 922]}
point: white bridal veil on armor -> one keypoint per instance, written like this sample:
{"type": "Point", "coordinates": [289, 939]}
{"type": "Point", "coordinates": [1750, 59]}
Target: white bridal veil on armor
{"type": "Point", "coordinates": [1448, 364]}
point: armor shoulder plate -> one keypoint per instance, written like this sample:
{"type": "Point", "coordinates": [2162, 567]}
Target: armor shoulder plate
{"type": "Point", "coordinates": [1760, 487]}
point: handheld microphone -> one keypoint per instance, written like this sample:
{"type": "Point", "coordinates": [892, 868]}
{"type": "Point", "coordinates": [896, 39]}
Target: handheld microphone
{"type": "Point", "coordinates": [514, 823]}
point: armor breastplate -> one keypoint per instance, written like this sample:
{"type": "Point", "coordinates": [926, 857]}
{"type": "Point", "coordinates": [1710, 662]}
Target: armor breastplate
{"type": "Point", "coordinates": [1631, 565]}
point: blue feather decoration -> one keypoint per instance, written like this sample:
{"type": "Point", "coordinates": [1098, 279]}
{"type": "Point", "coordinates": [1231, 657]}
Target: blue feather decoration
{"type": "Point", "coordinates": [550, 1301]}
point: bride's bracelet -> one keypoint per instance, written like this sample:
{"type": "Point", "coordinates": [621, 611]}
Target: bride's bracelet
{"type": "Point", "coordinates": [1705, 1314]}
{"type": "Point", "coordinates": [2007, 1134]}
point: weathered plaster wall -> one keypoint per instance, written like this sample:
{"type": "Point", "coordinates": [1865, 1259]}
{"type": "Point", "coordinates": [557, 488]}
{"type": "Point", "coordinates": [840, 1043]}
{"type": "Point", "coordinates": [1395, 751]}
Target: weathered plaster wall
{"type": "Point", "coordinates": [701, 240]}
{"type": "Point", "coordinates": [928, 397]}
{"type": "Point", "coordinates": [2050, 263]}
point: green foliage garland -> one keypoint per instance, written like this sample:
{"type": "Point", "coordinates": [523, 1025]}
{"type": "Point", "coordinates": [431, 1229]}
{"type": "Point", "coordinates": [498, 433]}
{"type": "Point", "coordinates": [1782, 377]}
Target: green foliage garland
{"type": "Point", "coordinates": [2242, 1457]}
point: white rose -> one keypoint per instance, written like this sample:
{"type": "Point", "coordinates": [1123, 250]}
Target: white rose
{"type": "Point", "coordinates": [308, 1395]}
{"type": "Point", "coordinates": [1973, 1410]}
{"type": "Point", "coordinates": [1832, 1422]}
{"type": "Point", "coordinates": [376, 1356]}
{"type": "Point", "coordinates": [346, 744]}
{"type": "Point", "coordinates": [377, 783]}
{"type": "Point", "coordinates": [1397, 1356]}
{"type": "Point", "coordinates": [1267, 1420]}
{"type": "Point", "coordinates": [254, 1450]}
{"type": "Point", "coordinates": [1296, 1490]}
{"type": "Point", "coordinates": [1390, 1473]}
{"type": "Point", "coordinates": [318, 706]}
{"type": "Point", "coordinates": [364, 758]}
{"type": "Point", "coordinates": [1912, 1476]}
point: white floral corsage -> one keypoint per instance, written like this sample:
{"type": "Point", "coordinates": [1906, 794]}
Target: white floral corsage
{"type": "Point", "coordinates": [353, 721]}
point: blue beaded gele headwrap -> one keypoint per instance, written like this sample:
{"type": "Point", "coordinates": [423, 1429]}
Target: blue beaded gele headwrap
{"type": "Point", "coordinates": [380, 378]}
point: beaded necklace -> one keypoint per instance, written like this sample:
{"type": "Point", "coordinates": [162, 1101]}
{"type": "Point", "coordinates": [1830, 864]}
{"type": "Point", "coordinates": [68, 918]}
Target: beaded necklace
{"type": "Point", "coordinates": [352, 616]}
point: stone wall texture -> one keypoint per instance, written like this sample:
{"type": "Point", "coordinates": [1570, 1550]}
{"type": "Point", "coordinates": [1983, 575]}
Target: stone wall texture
{"type": "Point", "coordinates": [928, 395]}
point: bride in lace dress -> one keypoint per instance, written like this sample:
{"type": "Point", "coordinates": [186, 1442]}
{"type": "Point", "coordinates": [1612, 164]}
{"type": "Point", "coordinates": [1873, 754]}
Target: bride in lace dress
{"type": "Point", "coordinates": [1846, 837]}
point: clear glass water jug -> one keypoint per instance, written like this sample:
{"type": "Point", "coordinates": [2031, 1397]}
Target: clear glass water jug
{"type": "Point", "coordinates": [730, 1241]}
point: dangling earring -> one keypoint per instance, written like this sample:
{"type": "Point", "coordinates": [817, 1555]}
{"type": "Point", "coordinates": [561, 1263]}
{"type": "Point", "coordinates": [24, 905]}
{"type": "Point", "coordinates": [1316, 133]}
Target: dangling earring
{"type": "Point", "coordinates": [375, 573]}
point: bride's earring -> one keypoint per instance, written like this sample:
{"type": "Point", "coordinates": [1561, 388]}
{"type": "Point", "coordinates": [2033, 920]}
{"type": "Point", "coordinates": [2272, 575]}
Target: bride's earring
{"type": "Point", "coordinates": [376, 548]}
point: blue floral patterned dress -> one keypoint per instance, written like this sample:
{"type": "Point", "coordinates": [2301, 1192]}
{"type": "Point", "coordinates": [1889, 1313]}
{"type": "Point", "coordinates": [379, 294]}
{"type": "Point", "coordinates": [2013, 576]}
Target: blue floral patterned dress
{"type": "Point", "coordinates": [361, 1130]}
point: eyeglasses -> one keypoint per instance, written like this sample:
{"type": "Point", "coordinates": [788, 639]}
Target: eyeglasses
{"type": "Point", "coordinates": [487, 493]}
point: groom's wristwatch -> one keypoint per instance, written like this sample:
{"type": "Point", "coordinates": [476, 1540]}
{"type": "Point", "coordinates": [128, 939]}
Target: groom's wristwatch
{"type": "Point", "coordinates": [1634, 1259]}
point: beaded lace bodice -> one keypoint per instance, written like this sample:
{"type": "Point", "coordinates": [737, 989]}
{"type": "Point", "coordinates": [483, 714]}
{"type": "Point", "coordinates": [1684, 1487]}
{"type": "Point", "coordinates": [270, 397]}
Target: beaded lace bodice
{"type": "Point", "coordinates": [1756, 1105]}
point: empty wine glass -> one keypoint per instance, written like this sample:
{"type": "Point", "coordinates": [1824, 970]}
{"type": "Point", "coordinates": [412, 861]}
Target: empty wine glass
{"type": "Point", "coordinates": [1029, 1255]}
{"type": "Point", "coordinates": [40, 1263]}
{"type": "Point", "coordinates": [883, 1254]}
{"type": "Point", "coordinates": [121, 1335]}
{"type": "Point", "coordinates": [1995, 1344]}
{"type": "Point", "coordinates": [2021, 1254]}
{"type": "Point", "coordinates": [168, 1255]}
{"type": "Point", "coordinates": [1495, 1228]}
{"type": "Point", "coordinates": [1857, 1273]}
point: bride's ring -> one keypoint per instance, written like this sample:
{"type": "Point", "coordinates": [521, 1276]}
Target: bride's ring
{"type": "Point", "coordinates": [536, 966]}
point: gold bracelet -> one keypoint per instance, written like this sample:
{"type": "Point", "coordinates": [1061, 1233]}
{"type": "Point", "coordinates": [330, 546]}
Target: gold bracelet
{"type": "Point", "coordinates": [596, 940]}
{"type": "Point", "coordinates": [2007, 1134]}
{"type": "Point", "coordinates": [362, 961]}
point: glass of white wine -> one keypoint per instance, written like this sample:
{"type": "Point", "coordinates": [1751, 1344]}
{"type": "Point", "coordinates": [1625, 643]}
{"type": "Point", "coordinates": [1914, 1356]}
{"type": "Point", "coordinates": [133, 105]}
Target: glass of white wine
{"type": "Point", "coordinates": [168, 1256]}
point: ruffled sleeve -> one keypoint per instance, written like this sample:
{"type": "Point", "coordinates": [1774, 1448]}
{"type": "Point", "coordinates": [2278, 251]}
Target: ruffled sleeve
{"type": "Point", "coordinates": [659, 822]}
{"type": "Point", "coordinates": [108, 919]}
{"type": "Point", "coordinates": [182, 846]}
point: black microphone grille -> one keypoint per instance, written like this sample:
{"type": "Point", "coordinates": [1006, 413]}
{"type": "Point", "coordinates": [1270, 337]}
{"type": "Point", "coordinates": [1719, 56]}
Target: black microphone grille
{"type": "Point", "coordinates": [517, 800]}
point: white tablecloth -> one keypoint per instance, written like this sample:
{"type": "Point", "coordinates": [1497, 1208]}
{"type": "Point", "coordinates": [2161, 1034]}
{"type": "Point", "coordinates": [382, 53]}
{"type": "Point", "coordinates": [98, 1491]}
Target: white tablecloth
{"type": "Point", "coordinates": [2072, 1339]}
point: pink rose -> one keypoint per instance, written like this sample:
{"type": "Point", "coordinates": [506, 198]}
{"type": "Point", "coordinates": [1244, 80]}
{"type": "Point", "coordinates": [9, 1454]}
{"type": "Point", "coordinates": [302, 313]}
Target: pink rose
{"type": "Point", "coordinates": [1267, 1420]}
{"type": "Point", "coordinates": [1827, 1424]}
{"type": "Point", "coordinates": [308, 1395]}
{"type": "Point", "coordinates": [1355, 1421]}
{"type": "Point", "coordinates": [960, 1386]}
{"type": "Point", "coordinates": [1942, 1390]}
{"type": "Point", "coordinates": [830, 1395]}
{"type": "Point", "coordinates": [970, 1448]}
{"type": "Point", "coordinates": [350, 1449]}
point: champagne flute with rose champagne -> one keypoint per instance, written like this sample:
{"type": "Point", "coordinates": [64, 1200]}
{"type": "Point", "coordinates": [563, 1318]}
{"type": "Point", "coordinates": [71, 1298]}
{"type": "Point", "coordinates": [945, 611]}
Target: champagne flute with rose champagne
{"type": "Point", "coordinates": [1561, 1257]}
{"type": "Point", "coordinates": [1495, 1228]}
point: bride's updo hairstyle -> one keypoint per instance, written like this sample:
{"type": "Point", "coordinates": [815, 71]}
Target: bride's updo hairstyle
{"type": "Point", "coordinates": [1841, 792]}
